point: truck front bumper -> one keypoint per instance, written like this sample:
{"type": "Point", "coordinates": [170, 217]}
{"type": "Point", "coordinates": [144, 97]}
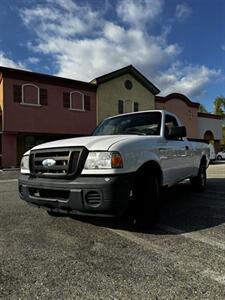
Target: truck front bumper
{"type": "Point", "coordinates": [85, 195]}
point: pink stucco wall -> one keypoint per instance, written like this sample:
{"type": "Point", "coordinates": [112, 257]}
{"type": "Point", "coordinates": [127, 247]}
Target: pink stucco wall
{"type": "Point", "coordinates": [51, 118]}
{"type": "Point", "coordinates": [9, 150]}
{"type": "Point", "coordinates": [188, 115]}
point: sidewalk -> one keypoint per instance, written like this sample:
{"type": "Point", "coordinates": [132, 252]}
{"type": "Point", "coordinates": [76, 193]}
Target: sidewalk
{"type": "Point", "coordinates": [7, 174]}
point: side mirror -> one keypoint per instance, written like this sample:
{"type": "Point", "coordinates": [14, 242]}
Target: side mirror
{"type": "Point", "coordinates": [175, 132]}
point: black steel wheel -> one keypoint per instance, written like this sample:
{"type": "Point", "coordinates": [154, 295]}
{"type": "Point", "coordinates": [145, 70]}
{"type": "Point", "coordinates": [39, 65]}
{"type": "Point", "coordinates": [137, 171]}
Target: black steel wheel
{"type": "Point", "coordinates": [146, 201]}
{"type": "Point", "coordinates": [199, 182]}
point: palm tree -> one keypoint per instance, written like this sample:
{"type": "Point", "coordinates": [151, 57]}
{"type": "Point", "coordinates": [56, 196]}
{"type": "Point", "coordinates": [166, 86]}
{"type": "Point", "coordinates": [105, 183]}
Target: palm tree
{"type": "Point", "coordinates": [219, 106]}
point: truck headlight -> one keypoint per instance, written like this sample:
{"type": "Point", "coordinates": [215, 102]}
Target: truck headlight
{"type": "Point", "coordinates": [104, 160]}
{"type": "Point", "coordinates": [24, 165]}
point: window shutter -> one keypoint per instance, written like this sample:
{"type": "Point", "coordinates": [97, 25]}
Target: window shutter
{"type": "Point", "coordinates": [120, 106]}
{"type": "Point", "coordinates": [17, 93]}
{"type": "Point", "coordinates": [136, 106]}
{"type": "Point", "coordinates": [43, 96]}
{"type": "Point", "coordinates": [87, 102]}
{"type": "Point", "coordinates": [66, 99]}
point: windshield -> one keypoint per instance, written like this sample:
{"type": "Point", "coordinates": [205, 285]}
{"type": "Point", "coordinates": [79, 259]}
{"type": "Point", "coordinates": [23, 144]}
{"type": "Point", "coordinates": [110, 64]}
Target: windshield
{"type": "Point", "coordinates": [148, 123]}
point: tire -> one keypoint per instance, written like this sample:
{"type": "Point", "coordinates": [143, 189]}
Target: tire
{"type": "Point", "coordinates": [146, 201]}
{"type": "Point", "coordinates": [54, 213]}
{"type": "Point", "coordinates": [199, 182]}
{"type": "Point", "coordinates": [219, 157]}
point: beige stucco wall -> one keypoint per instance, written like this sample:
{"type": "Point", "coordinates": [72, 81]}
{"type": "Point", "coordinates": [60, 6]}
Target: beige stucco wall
{"type": "Point", "coordinates": [110, 92]}
{"type": "Point", "coordinates": [207, 124]}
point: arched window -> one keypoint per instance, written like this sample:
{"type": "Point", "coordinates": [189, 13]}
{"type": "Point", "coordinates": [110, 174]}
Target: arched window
{"type": "Point", "coordinates": [128, 106]}
{"type": "Point", "coordinates": [30, 94]}
{"type": "Point", "coordinates": [120, 106]}
{"type": "Point", "coordinates": [208, 136]}
{"type": "Point", "coordinates": [77, 101]}
{"type": "Point", "coordinates": [135, 106]}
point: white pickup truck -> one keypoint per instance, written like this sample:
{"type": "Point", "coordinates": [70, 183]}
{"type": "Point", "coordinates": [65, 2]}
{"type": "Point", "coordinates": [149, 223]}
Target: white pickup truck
{"type": "Point", "coordinates": [120, 169]}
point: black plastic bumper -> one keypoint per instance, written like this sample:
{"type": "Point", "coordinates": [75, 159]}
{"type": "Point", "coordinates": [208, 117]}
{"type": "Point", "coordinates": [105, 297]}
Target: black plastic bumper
{"type": "Point", "coordinates": [85, 195]}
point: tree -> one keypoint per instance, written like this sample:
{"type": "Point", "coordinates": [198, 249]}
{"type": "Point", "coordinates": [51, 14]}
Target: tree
{"type": "Point", "coordinates": [219, 106]}
{"type": "Point", "coordinates": [202, 109]}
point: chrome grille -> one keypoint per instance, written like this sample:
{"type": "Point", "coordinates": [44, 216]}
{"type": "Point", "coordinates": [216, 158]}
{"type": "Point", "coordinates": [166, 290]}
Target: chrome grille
{"type": "Point", "coordinates": [67, 162]}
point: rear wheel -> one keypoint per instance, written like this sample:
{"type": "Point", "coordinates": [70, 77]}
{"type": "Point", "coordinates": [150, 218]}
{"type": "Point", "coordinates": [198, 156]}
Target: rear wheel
{"type": "Point", "coordinates": [146, 206]}
{"type": "Point", "coordinates": [219, 157]}
{"type": "Point", "coordinates": [199, 182]}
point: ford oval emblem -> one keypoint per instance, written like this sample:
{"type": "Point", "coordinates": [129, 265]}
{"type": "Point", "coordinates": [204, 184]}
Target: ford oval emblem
{"type": "Point", "coordinates": [49, 162]}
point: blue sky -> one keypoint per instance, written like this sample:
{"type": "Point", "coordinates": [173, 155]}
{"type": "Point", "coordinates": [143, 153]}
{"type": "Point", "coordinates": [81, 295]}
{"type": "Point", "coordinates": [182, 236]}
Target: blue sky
{"type": "Point", "coordinates": [178, 45]}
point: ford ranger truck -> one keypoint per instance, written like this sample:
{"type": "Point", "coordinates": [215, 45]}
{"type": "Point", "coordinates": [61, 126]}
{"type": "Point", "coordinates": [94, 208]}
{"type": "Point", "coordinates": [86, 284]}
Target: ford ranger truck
{"type": "Point", "coordinates": [118, 170]}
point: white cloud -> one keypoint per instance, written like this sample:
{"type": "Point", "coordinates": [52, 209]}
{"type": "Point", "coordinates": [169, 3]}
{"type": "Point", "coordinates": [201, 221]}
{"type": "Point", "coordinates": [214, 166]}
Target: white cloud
{"type": "Point", "coordinates": [114, 32]}
{"type": "Point", "coordinates": [68, 5]}
{"type": "Point", "coordinates": [189, 80]}
{"type": "Point", "coordinates": [84, 44]}
{"type": "Point", "coordinates": [9, 63]}
{"type": "Point", "coordinates": [223, 47]}
{"type": "Point", "coordinates": [140, 11]}
{"type": "Point", "coordinates": [53, 22]}
{"type": "Point", "coordinates": [183, 11]}
{"type": "Point", "coordinates": [33, 60]}
{"type": "Point", "coordinates": [84, 59]}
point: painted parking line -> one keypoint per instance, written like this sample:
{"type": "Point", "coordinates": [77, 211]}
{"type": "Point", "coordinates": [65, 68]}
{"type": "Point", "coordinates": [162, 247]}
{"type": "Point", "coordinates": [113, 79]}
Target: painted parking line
{"type": "Point", "coordinates": [193, 236]}
{"type": "Point", "coordinates": [187, 264]}
{"type": "Point", "coordinates": [8, 180]}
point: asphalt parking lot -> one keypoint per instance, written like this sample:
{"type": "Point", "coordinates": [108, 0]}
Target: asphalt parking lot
{"type": "Point", "coordinates": [43, 257]}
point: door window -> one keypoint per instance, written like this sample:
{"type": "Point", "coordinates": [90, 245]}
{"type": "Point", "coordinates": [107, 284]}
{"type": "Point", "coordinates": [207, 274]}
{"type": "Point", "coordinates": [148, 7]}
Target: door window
{"type": "Point", "coordinates": [170, 122]}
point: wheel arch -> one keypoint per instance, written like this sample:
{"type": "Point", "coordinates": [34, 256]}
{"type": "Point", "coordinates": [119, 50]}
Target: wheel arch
{"type": "Point", "coordinates": [150, 167]}
{"type": "Point", "coordinates": [203, 161]}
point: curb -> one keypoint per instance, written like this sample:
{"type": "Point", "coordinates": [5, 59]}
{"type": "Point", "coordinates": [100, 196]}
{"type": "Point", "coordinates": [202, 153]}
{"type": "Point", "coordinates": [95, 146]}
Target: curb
{"type": "Point", "coordinates": [7, 174]}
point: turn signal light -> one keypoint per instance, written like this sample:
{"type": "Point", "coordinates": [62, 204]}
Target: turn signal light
{"type": "Point", "coordinates": [116, 161]}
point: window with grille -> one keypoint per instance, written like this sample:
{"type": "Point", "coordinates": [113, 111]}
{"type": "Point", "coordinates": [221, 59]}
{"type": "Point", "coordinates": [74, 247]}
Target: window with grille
{"type": "Point", "coordinates": [76, 101]}
{"type": "Point", "coordinates": [30, 94]}
{"type": "Point", "coordinates": [136, 106]}
{"type": "Point", "coordinates": [120, 106]}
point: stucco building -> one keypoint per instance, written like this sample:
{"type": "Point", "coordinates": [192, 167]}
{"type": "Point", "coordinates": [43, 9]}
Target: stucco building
{"type": "Point", "coordinates": [200, 126]}
{"type": "Point", "coordinates": [36, 108]}
{"type": "Point", "coordinates": [124, 90]}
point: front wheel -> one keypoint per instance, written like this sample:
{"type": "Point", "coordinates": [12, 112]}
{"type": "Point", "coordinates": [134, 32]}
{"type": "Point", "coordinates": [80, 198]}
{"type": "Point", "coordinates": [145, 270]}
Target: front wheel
{"type": "Point", "coordinates": [146, 206]}
{"type": "Point", "coordinates": [199, 182]}
{"type": "Point", "coordinates": [219, 157]}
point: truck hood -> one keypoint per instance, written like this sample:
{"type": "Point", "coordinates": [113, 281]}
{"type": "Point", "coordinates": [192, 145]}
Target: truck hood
{"type": "Point", "coordinates": [92, 143]}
